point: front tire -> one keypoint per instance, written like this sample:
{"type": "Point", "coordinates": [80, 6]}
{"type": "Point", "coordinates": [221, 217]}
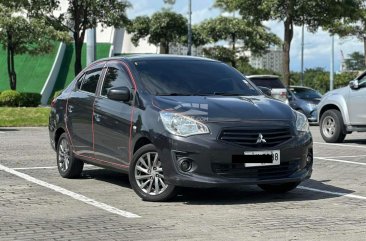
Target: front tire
{"type": "Point", "coordinates": [68, 166]}
{"type": "Point", "coordinates": [147, 178]}
{"type": "Point", "coordinates": [279, 188]}
{"type": "Point", "coordinates": [332, 127]}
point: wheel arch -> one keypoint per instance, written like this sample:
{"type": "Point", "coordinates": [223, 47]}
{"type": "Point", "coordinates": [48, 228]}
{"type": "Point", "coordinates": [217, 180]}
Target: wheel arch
{"type": "Point", "coordinates": [335, 102]}
{"type": "Point", "coordinates": [140, 142]}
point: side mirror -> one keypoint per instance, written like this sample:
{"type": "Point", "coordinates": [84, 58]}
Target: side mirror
{"type": "Point", "coordinates": [354, 84]}
{"type": "Point", "coordinates": [119, 94]}
{"type": "Point", "coordinates": [265, 90]}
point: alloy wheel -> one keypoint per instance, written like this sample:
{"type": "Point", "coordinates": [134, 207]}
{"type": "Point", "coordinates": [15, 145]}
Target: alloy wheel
{"type": "Point", "coordinates": [64, 155]}
{"type": "Point", "coordinates": [329, 126]}
{"type": "Point", "coordinates": [149, 174]}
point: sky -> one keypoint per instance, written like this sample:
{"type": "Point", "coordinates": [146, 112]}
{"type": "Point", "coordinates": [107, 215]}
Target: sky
{"type": "Point", "coordinates": [317, 46]}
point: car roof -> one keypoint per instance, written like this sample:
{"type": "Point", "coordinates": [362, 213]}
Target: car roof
{"type": "Point", "coordinates": [263, 76]}
{"type": "Point", "coordinates": [300, 87]}
{"type": "Point", "coordinates": [170, 57]}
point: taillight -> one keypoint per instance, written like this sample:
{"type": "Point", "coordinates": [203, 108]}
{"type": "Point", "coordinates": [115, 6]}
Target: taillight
{"type": "Point", "coordinates": [283, 94]}
{"type": "Point", "coordinates": [53, 103]}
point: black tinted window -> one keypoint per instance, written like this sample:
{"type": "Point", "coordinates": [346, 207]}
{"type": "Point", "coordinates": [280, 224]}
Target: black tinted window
{"type": "Point", "coordinates": [192, 77]}
{"type": "Point", "coordinates": [304, 93]}
{"type": "Point", "coordinates": [114, 78]}
{"type": "Point", "coordinates": [271, 83]}
{"type": "Point", "coordinates": [90, 82]}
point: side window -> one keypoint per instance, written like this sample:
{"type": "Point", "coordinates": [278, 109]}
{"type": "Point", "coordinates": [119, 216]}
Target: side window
{"type": "Point", "coordinates": [90, 82]}
{"type": "Point", "coordinates": [362, 81]}
{"type": "Point", "coordinates": [79, 82]}
{"type": "Point", "coordinates": [114, 78]}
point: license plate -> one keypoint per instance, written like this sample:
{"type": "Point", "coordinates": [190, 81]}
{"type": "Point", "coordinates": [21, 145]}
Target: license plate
{"type": "Point", "coordinates": [272, 158]}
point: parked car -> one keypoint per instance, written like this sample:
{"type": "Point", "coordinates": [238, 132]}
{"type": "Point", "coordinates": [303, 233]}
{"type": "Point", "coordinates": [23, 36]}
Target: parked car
{"type": "Point", "coordinates": [342, 111]}
{"type": "Point", "coordinates": [304, 100]}
{"type": "Point", "coordinates": [272, 82]}
{"type": "Point", "coordinates": [172, 121]}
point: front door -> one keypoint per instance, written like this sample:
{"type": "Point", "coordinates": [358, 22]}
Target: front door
{"type": "Point", "coordinates": [356, 102]}
{"type": "Point", "coordinates": [112, 119]}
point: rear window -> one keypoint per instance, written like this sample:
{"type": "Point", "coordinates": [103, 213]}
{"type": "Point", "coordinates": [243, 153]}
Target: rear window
{"type": "Point", "coordinates": [304, 93]}
{"type": "Point", "coordinates": [271, 83]}
{"type": "Point", "coordinates": [192, 77]}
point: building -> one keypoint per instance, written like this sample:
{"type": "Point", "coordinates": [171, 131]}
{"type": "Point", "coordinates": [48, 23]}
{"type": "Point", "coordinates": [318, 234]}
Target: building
{"type": "Point", "coordinates": [272, 60]}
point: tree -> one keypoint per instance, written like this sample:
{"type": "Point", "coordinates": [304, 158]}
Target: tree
{"type": "Point", "coordinates": [355, 61]}
{"type": "Point", "coordinates": [355, 26]}
{"type": "Point", "coordinates": [20, 35]}
{"type": "Point", "coordinates": [161, 29]}
{"type": "Point", "coordinates": [312, 13]}
{"type": "Point", "coordinates": [253, 36]}
{"type": "Point", "coordinates": [80, 16]}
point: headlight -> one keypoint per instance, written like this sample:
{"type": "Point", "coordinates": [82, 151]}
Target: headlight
{"type": "Point", "coordinates": [312, 106]}
{"type": "Point", "coordinates": [181, 125]}
{"type": "Point", "coordinates": [302, 123]}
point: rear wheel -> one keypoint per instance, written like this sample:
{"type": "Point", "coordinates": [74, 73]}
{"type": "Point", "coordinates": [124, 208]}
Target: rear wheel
{"type": "Point", "coordinates": [279, 188]}
{"type": "Point", "coordinates": [68, 166]}
{"type": "Point", "coordinates": [331, 126]}
{"type": "Point", "coordinates": [147, 177]}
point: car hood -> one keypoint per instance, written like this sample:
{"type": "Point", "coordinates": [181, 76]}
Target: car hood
{"type": "Point", "coordinates": [342, 91]}
{"type": "Point", "coordinates": [312, 101]}
{"type": "Point", "coordinates": [224, 108]}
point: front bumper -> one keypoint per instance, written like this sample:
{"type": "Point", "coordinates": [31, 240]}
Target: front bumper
{"type": "Point", "coordinates": [212, 162]}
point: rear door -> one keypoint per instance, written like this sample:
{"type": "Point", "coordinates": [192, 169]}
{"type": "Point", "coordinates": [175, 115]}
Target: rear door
{"type": "Point", "coordinates": [112, 119]}
{"type": "Point", "coordinates": [356, 103]}
{"type": "Point", "coordinates": [80, 111]}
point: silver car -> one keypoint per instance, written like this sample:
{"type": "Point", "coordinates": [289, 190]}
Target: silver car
{"type": "Point", "coordinates": [343, 111]}
{"type": "Point", "coordinates": [272, 82]}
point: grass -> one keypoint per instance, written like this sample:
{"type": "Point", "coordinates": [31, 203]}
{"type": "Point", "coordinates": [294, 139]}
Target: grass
{"type": "Point", "coordinates": [23, 117]}
{"type": "Point", "coordinates": [32, 71]}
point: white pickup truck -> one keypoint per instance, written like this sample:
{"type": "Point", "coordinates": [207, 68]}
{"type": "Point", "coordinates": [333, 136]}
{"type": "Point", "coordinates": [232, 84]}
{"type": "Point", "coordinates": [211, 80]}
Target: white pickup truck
{"type": "Point", "coordinates": [343, 111]}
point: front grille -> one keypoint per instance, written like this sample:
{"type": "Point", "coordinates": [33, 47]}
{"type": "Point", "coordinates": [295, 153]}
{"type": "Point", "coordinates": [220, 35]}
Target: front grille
{"type": "Point", "coordinates": [249, 136]}
{"type": "Point", "coordinates": [262, 173]}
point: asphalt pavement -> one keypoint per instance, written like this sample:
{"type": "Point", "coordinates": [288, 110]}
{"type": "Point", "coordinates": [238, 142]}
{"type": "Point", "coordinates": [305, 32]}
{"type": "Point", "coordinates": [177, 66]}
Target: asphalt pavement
{"type": "Point", "coordinates": [37, 204]}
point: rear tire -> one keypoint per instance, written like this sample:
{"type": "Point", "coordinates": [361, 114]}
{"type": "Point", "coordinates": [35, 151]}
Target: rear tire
{"type": "Point", "coordinates": [279, 188]}
{"type": "Point", "coordinates": [146, 176]}
{"type": "Point", "coordinates": [332, 127]}
{"type": "Point", "coordinates": [68, 166]}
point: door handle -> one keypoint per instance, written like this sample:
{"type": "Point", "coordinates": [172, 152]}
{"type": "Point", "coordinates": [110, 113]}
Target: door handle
{"type": "Point", "coordinates": [97, 117]}
{"type": "Point", "coordinates": [70, 108]}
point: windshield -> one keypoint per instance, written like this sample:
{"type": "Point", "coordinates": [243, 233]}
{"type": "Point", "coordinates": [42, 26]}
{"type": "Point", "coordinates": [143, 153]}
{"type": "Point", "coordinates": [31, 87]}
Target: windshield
{"type": "Point", "coordinates": [304, 93]}
{"type": "Point", "coordinates": [192, 77]}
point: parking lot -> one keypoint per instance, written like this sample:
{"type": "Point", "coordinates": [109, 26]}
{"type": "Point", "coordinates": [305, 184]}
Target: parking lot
{"type": "Point", "coordinates": [36, 203]}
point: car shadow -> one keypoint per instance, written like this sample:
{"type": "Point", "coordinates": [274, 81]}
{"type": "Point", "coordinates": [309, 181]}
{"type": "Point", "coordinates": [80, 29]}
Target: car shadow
{"type": "Point", "coordinates": [229, 196]}
{"type": "Point", "coordinates": [355, 141]}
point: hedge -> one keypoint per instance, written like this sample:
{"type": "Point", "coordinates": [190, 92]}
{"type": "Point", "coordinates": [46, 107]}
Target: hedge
{"type": "Point", "coordinates": [12, 98]}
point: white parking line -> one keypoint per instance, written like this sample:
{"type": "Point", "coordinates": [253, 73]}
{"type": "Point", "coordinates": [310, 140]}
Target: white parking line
{"type": "Point", "coordinates": [337, 160]}
{"type": "Point", "coordinates": [333, 193]}
{"type": "Point", "coordinates": [332, 157]}
{"type": "Point", "coordinates": [2, 132]}
{"type": "Point", "coordinates": [33, 168]}
{"type": "Point", "coordinates": [66, 192]}
{"type": "Point", "coordinates": [343, 145]}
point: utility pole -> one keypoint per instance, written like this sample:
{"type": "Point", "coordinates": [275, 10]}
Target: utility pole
{"type": "Point", "coordinates": [91, 39]}
{"type": "Point", "coordinates": [331, 84]}
{"type": "Point", "coordinates": [302, 55]}
{"type": "Point", "coordinates": [189, 52]}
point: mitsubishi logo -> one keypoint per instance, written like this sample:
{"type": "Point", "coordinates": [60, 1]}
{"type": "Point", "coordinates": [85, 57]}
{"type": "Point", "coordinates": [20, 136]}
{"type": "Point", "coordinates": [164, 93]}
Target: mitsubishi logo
{"type": "Point", "coordinates": [260, 139]}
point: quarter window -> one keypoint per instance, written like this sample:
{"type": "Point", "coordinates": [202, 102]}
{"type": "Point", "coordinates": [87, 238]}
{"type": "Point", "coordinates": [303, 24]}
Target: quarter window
{"type": "Point", "coordinates": [114, 78]}
{"type": "Point", "coordinates": [90, 82]}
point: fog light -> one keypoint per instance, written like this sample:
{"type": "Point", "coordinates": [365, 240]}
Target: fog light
{"type": "Point", "coordinates": [185, 164]}
{"type": "Point", "coordinates": [309, 158]}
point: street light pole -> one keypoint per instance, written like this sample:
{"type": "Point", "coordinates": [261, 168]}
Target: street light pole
{"type": "Point", "coordinates": [302, 56]}
{"type": "Point", "coordinates": [189, 52]}
{"type": "Point", "coordinates": [331, 84]}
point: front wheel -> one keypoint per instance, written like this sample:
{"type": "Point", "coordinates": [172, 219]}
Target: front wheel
{"type": "Point", "coordinates": [331, 126]}
{"type": "Point", "coordinates": [147, 178]}
{"type": "Point", "coordinates": [279, 188]}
